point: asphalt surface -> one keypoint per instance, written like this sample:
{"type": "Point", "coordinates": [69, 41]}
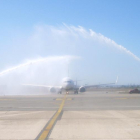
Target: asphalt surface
{"type": "Point", "coordinates": [83, 101]}
{"type": "Point", "coordinates": [94, 115]}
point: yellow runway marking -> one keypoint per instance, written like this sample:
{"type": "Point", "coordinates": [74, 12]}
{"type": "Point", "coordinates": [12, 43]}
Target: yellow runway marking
{"type": "Point", "coordinates": [45, 133]}
{"type": "Point", "coordinates": [58, 99]}
{"type": "Point", "coordinates": [56, 103]}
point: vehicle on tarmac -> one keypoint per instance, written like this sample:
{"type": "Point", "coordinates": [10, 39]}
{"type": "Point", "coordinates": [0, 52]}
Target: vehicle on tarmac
{"type": "Point", "coordinates": [136, 90]}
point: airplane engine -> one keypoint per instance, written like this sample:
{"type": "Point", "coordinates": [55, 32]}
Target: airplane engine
{"type": "Point", "coordinates": [52, 90]}
{"type": "Point", "coordinates": [82, 89]}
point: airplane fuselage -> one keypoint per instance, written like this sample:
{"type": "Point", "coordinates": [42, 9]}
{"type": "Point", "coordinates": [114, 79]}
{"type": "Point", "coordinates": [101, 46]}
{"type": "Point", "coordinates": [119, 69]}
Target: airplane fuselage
{"type": "Point", "coordinates": [68, 84]}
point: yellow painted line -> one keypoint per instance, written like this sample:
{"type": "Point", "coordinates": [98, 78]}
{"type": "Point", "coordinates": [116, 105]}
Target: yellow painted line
{"type": "Point", "coordinates": [58, 99]}
{"type": "Point", "coordinates": [45, 133]}
{"type": "Point", "coordinates": [56, 103]}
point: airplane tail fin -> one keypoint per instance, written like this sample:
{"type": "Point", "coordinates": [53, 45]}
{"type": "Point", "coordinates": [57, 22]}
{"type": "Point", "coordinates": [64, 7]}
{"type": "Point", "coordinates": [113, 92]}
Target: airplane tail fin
{"type": "Point", "coordinates": [117, 80]}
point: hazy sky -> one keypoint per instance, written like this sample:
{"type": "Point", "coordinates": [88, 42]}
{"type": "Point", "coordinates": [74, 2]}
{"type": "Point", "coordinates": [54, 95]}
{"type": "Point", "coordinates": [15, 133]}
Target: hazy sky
{"type": "Point", "coordinates": [99, 38]}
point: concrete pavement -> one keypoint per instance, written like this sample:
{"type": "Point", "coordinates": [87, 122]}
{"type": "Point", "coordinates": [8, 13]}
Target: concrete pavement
{"type": "Point", "coordinates": [87, 116]}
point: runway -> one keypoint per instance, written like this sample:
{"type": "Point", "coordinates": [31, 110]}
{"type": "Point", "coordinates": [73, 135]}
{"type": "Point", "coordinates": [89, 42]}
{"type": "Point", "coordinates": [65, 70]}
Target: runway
{"type": "Point", "coordinates": [94, 115]}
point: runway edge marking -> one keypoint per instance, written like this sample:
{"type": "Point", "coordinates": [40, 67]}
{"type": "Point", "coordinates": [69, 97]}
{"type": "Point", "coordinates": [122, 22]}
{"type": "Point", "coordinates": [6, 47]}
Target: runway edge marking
{"type": "Point", "coordinates": [48, 128]}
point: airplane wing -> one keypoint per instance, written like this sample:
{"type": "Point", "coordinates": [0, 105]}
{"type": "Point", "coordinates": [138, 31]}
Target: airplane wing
{"type": "Point", "coordinates": [50, 88]}
{"type": "Point", "coordinates": [89, 86]}
{"type": "Point", "coordinates": [41, 86]}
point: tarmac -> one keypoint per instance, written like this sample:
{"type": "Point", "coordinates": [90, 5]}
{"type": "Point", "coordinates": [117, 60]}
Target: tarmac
{"type": "Point", "coordinates": [93, 115]}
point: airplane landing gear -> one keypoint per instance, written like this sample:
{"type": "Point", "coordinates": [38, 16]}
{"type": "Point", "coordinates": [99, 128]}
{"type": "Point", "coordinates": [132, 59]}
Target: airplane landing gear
{"type": "Point", "coordinates": [76, 92]}
{"type": "Point", "coordinates": [60, 92]}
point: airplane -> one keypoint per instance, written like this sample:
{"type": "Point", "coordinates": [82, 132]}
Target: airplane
{"type": "Point", "coordinates": [69, 85]}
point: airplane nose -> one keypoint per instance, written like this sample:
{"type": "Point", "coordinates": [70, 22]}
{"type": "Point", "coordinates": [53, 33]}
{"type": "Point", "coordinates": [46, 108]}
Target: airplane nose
{"type": "Point", "coordinates": [67, 86]}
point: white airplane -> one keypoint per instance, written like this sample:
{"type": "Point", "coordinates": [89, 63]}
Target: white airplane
{"type": "Point", "coordinates": [69, 85]}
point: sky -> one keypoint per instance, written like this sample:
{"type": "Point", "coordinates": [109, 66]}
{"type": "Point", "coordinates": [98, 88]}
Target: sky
{"type": "Point", "coordinates": [98, 38]}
